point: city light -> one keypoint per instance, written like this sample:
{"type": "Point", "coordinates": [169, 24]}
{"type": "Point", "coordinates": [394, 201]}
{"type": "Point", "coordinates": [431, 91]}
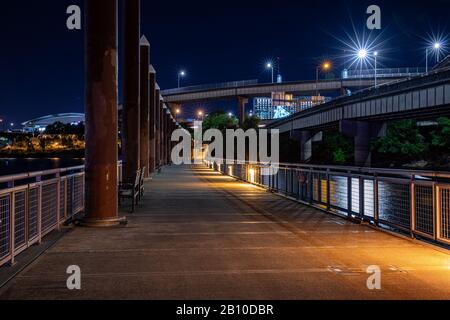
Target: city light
{"type": "Point", "coordinates": [230, 114]}
{"type": "Point", "coordinates": [437, 45]}
{"type": "Point", "coordinates": [325, 66]}
{"type": "Point", "coordinates": [251, 173]}
{"type": "Point", "coordinates": [181, 74]}
{"type": "Point", "coordinates": [362, 53]}
{"type": "Point", "coordinates": [269, 66]}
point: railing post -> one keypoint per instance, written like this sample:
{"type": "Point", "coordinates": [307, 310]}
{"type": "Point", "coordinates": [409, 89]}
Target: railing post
{"type": "Point", "coordinates": [12, 226]}
{"type": "Point", "coordinates": [58, 202]}
{"type": "Point", "coordinates": [349, 194]}
{"type": "Point", "coordinates": [328, 190]}
{"type": "Point", "coordinates": [376, 214]}
{"type": "Point", "coordinates": [413, 205]}
{"type": "Point", "coordinates": [39, 213]}
{"type": "Point", "coordinates": [361, 197]}
{"type": "Point", "coordinates": [436, 210]}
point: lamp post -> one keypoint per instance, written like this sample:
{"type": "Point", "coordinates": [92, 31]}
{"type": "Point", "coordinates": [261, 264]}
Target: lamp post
{"type": "Point", "coordinates": [325, 66]}
{"type": "Point", "coordinates": [375, 55]}
{"type": "Point", "coordinates": [177, 112]}
{"type": "Point", "coordinates": [200, 115]}
{"type": "Point", "coordinates": [437, 47]}
{"type": "Point", "coordinates": [181, 74]}
{"type": "Point", "coordinates": [270, 66]}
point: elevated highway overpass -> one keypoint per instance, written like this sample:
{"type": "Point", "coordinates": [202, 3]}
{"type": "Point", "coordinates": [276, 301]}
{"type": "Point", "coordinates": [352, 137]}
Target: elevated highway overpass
{"type": "Point", "coordinates": [243, 90]}
{"type": "Point", "coordinates": [364, 114]}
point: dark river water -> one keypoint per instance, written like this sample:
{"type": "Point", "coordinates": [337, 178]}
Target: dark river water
{"type": "Point", "coordinates": [16, 165]}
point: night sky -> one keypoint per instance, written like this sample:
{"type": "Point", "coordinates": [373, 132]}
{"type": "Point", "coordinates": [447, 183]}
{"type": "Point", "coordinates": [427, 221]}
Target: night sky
{"type": "Point", "coordinates": [42, 63]}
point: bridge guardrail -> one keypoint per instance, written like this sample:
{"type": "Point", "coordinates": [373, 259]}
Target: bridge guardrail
{"type": "Point", "coordinates": [224, 85]}
{"type": "Point", "coordinates": [34, 204]}
{"type": "Point", "coordinates": [412, 202]}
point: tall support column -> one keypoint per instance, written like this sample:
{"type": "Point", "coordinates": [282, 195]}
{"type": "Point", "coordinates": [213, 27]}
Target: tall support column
{"type": "Point", "coordinates": [101, 113]}
{"type": "Point", "coordinates": [131, 83]}
{"type": "Point", "coordinates": [242, 101]}
{"type": "Point", "coordinates": [169, 134]}
{"type": "Point", "coordinates": [152, 126]}
{"type": "Point", "coordinates": [362, 132]}
{"type": "Point", "coordinates": [164, 135]}
{"type": "Point", "coordinates": [161, 131]}
{"type": "Point", "coordinates": [157, 126]}
{"type": "Point", "coordinates": [145, 105]}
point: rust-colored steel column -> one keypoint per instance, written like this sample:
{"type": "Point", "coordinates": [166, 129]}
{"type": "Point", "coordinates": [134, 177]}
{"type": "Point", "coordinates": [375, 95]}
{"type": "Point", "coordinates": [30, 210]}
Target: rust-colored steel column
{"type": "Point", "coordinates": [161, 131]}
{"type": "Point", "coordinates": [157, 127]}
{"type": "Point", "coordinates": [131, 83]}
{"type": "Point", "coordinates": [145, 105]}
{"type": "Point", "coordinates": [152, 127]}
{"type": "Point", "coordinates": [101, 113]}
{"type": "Point", "coordinates": [167, 135]}
{"type": "Point", "coordinates": [164, 135]}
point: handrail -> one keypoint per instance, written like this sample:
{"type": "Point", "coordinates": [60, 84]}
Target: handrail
{"type": "Point", "coordinates": [354, 169]}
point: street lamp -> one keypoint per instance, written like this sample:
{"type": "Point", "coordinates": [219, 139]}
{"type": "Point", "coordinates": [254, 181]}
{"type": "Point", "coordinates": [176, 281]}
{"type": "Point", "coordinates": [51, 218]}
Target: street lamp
{"type": "Point", "coordinates": [362, 54]}
{"type": "Point", "coordinates": [436, 46]}
{"type": "Point", "coordinates": [270, 66]}
{"type": "Point", "coordinates": [325, 66]}
{"type": "Point", "coordinates": [181, 74]}
{"type": "Point", "coordinates": [375, 55]}
{"type": "Point", "coordinates": [177, 112]}
{"type": "Point", "coordinates": [200, 115]}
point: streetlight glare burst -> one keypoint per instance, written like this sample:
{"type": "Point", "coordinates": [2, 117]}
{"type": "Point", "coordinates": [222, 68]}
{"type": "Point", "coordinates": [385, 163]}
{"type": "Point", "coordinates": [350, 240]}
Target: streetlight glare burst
{"type": "Point", "coordinates": [362, 53]}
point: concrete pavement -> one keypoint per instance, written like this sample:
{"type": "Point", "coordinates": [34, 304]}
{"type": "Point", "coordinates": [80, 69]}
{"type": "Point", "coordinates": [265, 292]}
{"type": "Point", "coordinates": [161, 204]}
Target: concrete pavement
{"type": "Point", "coordinates": [200, 235]}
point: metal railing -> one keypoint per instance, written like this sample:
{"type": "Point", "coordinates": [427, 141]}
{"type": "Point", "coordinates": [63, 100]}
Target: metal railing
{"type": "Point", "coordinates": [385, 73]}
{"type": "Point", "coordinates": [412, 202]}
{"type": "Point", "coordinates": [212, 86]}
{"type": "Point", "coordinates": [34, 204]}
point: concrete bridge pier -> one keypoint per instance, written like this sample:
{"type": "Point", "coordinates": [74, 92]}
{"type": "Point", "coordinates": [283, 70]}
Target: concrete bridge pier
{"type": "Point", "coordinates": [362, 132]}
{"type": "Point", "coordinates": [306, 139]}
{"type": "Point", "coordinates": [145, 105]}
{"type": "Point", "coordinates": [152, 125]}
{"type": "Point", "coordinates": [101, 113]}
{"type": "Point", "coordinates": [242, 101]}
{"type": "Point", "coordinates": [131, 85]}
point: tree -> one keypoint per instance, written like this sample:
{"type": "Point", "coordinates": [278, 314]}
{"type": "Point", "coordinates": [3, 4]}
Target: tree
{"type": "Point", "coordinates": [335, 148]}
{"type": "Point", "coordinates": [219, 120]}
{"type": "Point", "coordinates": [440, 138]}
{"type": "Point", "coordinates": [403, 142]}
{"type": "Point", "coordinates": [251, 122]}
{"type": "Point", "coordinates": [56, 128]}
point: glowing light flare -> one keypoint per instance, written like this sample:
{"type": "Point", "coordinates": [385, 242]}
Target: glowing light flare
{"type": "Point", "coordinates": [362, 53]}
{"type": "Point", "coordinates": [251, 173]}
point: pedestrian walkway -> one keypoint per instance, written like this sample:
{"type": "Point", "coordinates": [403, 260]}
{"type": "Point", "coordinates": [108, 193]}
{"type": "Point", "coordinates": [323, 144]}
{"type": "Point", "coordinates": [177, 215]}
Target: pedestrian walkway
{"type": "Point", "coordinates": [200, 235]}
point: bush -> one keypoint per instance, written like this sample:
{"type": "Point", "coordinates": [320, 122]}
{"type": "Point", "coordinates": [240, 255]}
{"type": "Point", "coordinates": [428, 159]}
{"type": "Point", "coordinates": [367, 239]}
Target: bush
{"type": "Point", "coordinates": [403, 142]}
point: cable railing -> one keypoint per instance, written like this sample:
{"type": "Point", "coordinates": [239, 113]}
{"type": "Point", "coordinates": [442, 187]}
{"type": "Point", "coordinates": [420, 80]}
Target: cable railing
{"type": "Point", "coordinates": [413, 202]}
{"type": "Point", "coordinates": [34, 204]}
